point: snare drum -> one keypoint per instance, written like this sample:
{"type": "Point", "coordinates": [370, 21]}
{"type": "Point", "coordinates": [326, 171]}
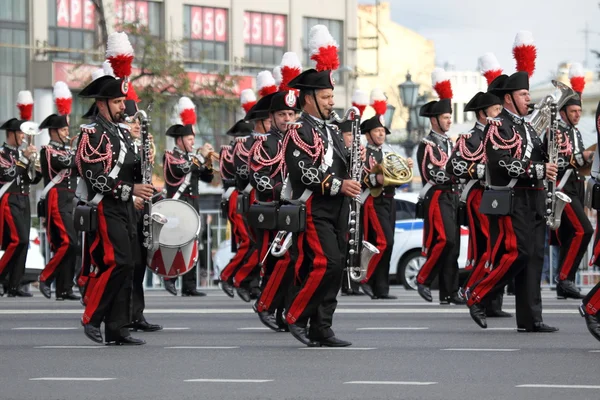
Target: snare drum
{"type": "Point", "coordinates": [177, 252]}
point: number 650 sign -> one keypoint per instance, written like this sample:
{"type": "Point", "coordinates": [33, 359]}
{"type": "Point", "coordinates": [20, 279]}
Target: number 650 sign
{"type": "Point", "coordinates": [208, 23]}
{"type": "Point", "coordinates": [264, 29]}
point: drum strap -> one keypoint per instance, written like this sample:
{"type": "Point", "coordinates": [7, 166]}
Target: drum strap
{"type": "Point", "coordinates": [228, 193]}
{"type": "Point", "coordinates": [5, 187]}
{"type": "Point", "coordinates": [186, 182]}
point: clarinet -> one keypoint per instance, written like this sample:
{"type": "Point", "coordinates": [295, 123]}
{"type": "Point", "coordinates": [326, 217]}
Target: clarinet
{"type": "Point", "coordinates": [146, 166]}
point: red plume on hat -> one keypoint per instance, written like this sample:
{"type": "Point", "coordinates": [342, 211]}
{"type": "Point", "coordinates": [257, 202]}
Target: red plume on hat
{"type": "Point", "coordinates": [248, 99]}
{"type": "Point", "coordinates": [441, 83]}
{"type": "Point", "coordinates": [265, 83]}
{"type": "Point", "coordinates": [63, 98]}
{"type": "Point", "coordinates": [25, 105]}
{"type": "Point", "coordinates": [323, 48]}
{"type": "Point", "coordinates": [490, 67]}
{"type": "Point", "coordinates": [378, 101]}
{"type": "Point", "coordinates": [525, 52]}
{"type": "Point", "coordinates": [120, 54]}
{"type": "Point", "coordinates": [187, 111]}
{"type": "Point", "coordinates": [290, 68]}
{"type": "Point", "coordinates": [360, 100]}
{"type": "Point", "coordinates": [577, 77]}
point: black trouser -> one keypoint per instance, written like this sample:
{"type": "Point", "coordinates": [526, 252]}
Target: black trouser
{"type": "Point", "coordinates": [108, 292]}
{"type": "Point", "coordinates": [63, 240]}
{"type": "Point", "coordinates": [322, 247]}
{"type": "Point", "coordinates": [379, 214]}
{"type": "Point", "coordinates": [137, 290]}
{"type": "Point", "coordinates": [16, 223]}
{"type": "Point", "coordinates": [517, 243]}
{"type": "Point", "coordinates": [441, 242]}
{"type": "Point", "coordinates": [275, 292]}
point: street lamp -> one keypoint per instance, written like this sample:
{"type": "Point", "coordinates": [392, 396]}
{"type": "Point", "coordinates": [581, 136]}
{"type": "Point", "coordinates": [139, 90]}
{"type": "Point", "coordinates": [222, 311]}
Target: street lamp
{"type": "Point", "coordinates": [409, 92]}
{"type": "Point", "coordinates": [389, 115]}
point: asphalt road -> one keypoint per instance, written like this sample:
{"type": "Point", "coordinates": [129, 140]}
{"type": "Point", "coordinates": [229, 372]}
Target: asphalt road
{"type": "Point", "coordinates": [215, 348]}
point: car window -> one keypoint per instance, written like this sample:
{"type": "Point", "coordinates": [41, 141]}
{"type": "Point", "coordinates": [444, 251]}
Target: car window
{"type": "Point", "coordinates": [404, 210]}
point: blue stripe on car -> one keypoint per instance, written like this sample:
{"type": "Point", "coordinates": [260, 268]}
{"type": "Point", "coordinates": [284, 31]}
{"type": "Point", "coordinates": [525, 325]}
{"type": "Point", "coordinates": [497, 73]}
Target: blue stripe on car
{"type": "Point", "coordinates": [409, 225]}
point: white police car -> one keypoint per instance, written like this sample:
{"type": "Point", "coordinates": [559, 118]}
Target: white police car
{"type": "Point", "coordinates": [35, 260]}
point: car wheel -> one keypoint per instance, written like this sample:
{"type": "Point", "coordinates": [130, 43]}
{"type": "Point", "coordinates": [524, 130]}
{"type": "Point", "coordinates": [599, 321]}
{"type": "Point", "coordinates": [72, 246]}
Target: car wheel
{"type": "Point", "coordinates": [409, 267]}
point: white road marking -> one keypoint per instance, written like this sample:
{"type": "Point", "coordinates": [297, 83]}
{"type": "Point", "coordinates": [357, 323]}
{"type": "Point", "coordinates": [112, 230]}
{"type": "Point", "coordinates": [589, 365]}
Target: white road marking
{"type": "Point", "coordinates": [254, 328]}
{"type": "Point", "coordinates": [229, 380]}
{"type": "Point", "coordinates": [69, 347]}
{"type": "Point", "coordinates": [338, 348]}
{"type": "Point", "coordinates": [72, 379]}
{"type": "Point", "coordinates": [406, 383]}
{"type": "Point", "coordinates": [594, 351]}
{"type": "Point", "coordinates": [176, 329]}
{"type": "Point", "coordinates": [399, 328]}
{"type": "Point", "coordinates": [559, 386]}
{"type": "Point", "coordinates": [43, 328]}
{"type": "Point", "coordinates": [497, 350]}
{"type": "Point", "coordinates": [203, 347]}
{"type": "Point", "coordinates": [501, 329]}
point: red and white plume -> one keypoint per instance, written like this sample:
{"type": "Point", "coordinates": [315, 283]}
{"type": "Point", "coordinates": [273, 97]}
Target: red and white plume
{"type": "Point", "coordinates": [63, 98]}
{"type": "Point", "coordinates": [25, 105]}
{"type": "Point", "coordinates": [120, 54]}
{"type": "Point", "coordinates": [107, 68]}
{"type": "Point", "coordinates": [277, 75]}
{"type": "Point", "coordinates": [378, 101]}
{"type": "Point", "coordinates": [248, 99]}
{"type": "Point", "coordinates": [577, 77]}
{"type": "Point", "coordinates": [360, 100]}
{"type": "Point", "coordinates": [265, 83]}
{"type": "Point", "coordinates": [187, 111]}
{"type": "Point", "coordinates": [525, 52]}
{"type": "Point", "coordinates": [490, 67]}
{"type": "Point", "coordinates": [290, 68]}
{"type": "Point", "coordinates": [441, 83]}
{"type": "Point", "coordinates": [323, 48]}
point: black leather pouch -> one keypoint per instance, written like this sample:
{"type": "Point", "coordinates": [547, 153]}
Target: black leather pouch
{"type": "Point", "coordinates": [41, 208]}
{"type": "Point", "coordinates": [497, 202]}
{"type": "Point", "coordinates": [85, 218]}
{"type": "Point", "coordinates": [292, 218]}
{"type": "Point", "coordinates": [243, 203]}
{"type": "Point", "coordinates": [262, 216]}
{"type": "Point", "coordinates": [462, 217]}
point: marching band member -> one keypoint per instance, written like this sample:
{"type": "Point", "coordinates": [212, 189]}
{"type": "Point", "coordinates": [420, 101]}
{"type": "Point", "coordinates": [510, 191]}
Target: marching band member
{"type": "Point", "coordinates": [240, 239]}
{"type": "Point", "coordinates": [516, 162]}
{"type": "Point", "coordinates": [318, 167]}
{"type": "Point", "coordinates": [575, 231]}
{"type": "Point", "coordinates": [441, 233]}
{"type": "Point", "coordinates": [468, 162]}
{"type": "Point", "coordinates": [60, 181]}
{"type": "Point", "coordinates": [16, 177]}
{"type": "Point", "coordinates": [138, 303]}
{"type": "Point", "coordinates": [178, 163]}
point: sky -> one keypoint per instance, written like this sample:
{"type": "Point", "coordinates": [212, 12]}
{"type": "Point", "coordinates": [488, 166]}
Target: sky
{"type": "Point", "coordinates": [463, 30]}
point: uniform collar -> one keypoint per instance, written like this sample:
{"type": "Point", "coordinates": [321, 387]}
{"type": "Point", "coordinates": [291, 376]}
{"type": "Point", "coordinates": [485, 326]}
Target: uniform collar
{"type": "Point", "coordinates": [177, 150]}
{"type": "Point", "coordinates": [373, 147]}
{"type": "Point", "coordinates": [440, 136]}
{"type": "Point", "coordinates": [515, 118]}
{"type": "Point", "coordinates": [479, 126]}
{"type": "Point", "coordinates": [56, 144]}
{"type": "Point", "coordinates": [8, 146]}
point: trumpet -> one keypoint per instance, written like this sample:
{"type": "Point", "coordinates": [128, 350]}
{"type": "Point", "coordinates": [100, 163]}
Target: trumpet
{"type": "Point", "coordinates": [210, 161]}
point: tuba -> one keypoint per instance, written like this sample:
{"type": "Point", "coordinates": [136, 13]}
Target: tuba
{"type": "Point", "coordinates": [395, 172]}
{"type": "Point", "coordinates": [541, 117]}
{"type": "Point", "coordinates": [358, 256]}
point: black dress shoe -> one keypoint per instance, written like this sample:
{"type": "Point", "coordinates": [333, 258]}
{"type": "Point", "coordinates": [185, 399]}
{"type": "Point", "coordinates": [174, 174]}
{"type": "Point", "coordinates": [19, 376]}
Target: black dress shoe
{"type": "Point", "coordinates": [387, 297]}
{"type": "Point", "coordinates": [424, 292]}
{"type": "Point", "coordinates": [567, 289]}
{"type": "Point", "coordinates": [68, 296]}
{"type": "Point", "coordinates": [539, 327]}
{"type": "Point", "coordinates": [334, 342]}
{"type": "Point", "coordinates": [2, 290]}
{"type": "Point", "coordinates": [227, 288]}
{"type": "Point", "coordinates": [300, 333]}
{"type": "Point", "coordinates": [170, 287]}
{"type": "Point", "coordinates": [144, 326]}
{"type": "Point", "coordinates": [368, 290]}
{"type": "Point", "coordinates": [45, 289]}
{"type": "Point", "coordinates": [93, 333]}
{"type": "Point", "coordinates": [497, 314]}
{"type": "Point", "coordinates": [19, 293]}
{"type": "Point", "coordinates": [456, 299]}
{"type": "Point", "coordinates": [124, 341]}
{"type": "Point", "coordinates": [254, 293]}
{"type": "Point", "coordinates": [193, 293]}
{"type": "Point", "coordinates": [592, 322]}
{"type": "Point", "coordinates": [477, 312]}
{"type": "Point", "coordinates": [269, 320]}
{"type": "Point", "coordinates": [243, 294]}
{"type": "Point", "coordinates": [281, 324]}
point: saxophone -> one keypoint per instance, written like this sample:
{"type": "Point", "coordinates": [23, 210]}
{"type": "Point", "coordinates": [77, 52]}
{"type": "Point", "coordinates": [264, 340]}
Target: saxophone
{"type": "Point", "coordinates": [358, 256]}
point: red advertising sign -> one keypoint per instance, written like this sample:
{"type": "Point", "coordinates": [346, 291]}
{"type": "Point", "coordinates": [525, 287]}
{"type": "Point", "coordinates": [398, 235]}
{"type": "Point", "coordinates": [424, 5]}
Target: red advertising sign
{"type": "Point", "coordinates": [132, 11]}
{"type": "Point", "coordinates": [208, 23]}
{"type": "Point", "coordinates": [76, 14]}
{"type": "Point", "coordinates": [265, 29]}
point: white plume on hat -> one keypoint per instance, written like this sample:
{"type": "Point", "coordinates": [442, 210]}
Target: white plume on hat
{"type": "Point", "coordinates": [323, 48]}
{"type": "Point", "coordinates": [187, 110]}
{"type": "Point", "coordinates": [277, 75]}
{"type": "Point", "coordinates": [265, 83]}
{"type": "Point", "coordinates": [576, 69]}
{"type": "Point", "coordinates": [489, 62]}
{"type": "Point", "coordinates": [118, 45]}
{"type": "Point", "coordinates": [24, 97]}
{"type": "Point", "coordinates": [98, 73]}
{"type": "Point", "coordinates": [361, 97]}
{"type": "Point", "coordinates": [247, 99]}
{"type": "Point", "coordinates": [107, 68]}
{"type": "Point", "coordinates": [523, 38]}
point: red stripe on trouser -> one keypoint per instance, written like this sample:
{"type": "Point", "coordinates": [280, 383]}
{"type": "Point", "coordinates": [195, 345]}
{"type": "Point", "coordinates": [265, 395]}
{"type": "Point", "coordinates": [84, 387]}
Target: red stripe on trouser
{"type": "Point", "coordinates": [315, 275]}
{"type": "Point", "coordinates": [300, 258]}
{"type": "Point", "coordinates": [56, 219]}
{"type": "Point", "coordinates": [479, 269]}
{"type": "Point", "coordinates": [430, 226]}
{"type": "Point", "coordinates": [575, 248]}
{"type": "Point", "coordinates": [97, 284]}
{"type": "Point", "coordinates": [499, 241]}
{"type": "Point", "coordinates": [435, 222]}
{"type": "Point", "coordinates": [14, 235]}
{"type": "Point", "coordinates": [507, 260]}
{"type": "Point", "coordinates": [242, 238]}
{"type": "Point", "coordinates": [593, 305]}
{"type": "Point", "coordinates": [380, 243]}
{"type": "Point", "coordinates": [268, 294]}
{"type": "Point", "coordinates": [249, 266]}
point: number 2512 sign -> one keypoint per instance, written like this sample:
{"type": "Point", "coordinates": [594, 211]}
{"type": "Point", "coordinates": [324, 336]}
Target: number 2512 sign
{"type": "Point", "coordinates": [264, 29]}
